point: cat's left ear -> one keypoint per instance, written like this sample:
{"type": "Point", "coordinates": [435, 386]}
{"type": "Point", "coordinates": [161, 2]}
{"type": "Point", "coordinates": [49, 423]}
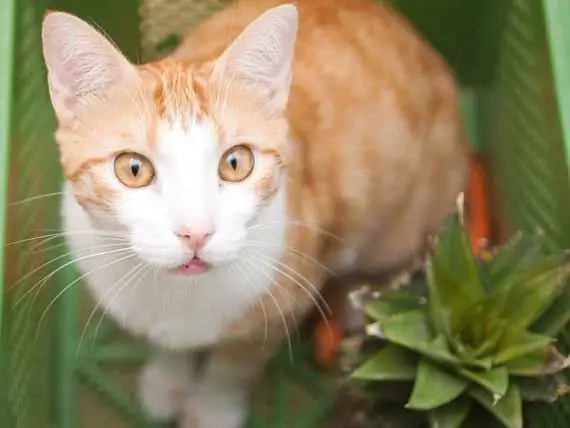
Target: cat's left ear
{"type": "Point", "coordinates": [81, 63]}
{"type": "Point", "coordinates": [262, 55]}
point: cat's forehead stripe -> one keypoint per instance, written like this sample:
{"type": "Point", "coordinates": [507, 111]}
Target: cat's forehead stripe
{"type": "Point", "coordinates": [179, 91]}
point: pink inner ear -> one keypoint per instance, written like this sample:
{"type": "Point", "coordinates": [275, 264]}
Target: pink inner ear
{"type": "Point", "coordinates": [63, 100]}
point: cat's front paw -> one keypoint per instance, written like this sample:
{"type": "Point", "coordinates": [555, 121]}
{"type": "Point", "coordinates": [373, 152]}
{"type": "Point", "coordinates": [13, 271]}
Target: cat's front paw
{"type": "Point", "coordinates": [165, 385]}
{"type": "Point", "coordinates": [215, 408]}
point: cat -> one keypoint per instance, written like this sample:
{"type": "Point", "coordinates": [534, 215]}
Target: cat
{"type": "Point", "coordinates": [209, 195]}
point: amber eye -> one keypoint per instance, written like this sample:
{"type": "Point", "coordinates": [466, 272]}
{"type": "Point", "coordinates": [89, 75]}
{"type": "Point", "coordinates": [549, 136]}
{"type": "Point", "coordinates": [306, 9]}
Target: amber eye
{"type": "Point", "coordinates": [236, 164]}
{"type": "Point", "coordinates": [134, 170]}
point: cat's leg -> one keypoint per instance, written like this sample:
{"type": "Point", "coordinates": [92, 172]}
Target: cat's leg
{"type": "Point", "coordinates": [165, 383]}
{"type": "Point", "coordinates": [221, 399]}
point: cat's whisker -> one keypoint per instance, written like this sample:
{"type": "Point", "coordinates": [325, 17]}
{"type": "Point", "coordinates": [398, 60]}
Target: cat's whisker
{"type": "Point", "coordinates": [104, 232]}
{"type": "Point", "coordinates": [291, 250]}
{"type": "Point", "coordinates": [110, 237]}
{"type": "Point", "coordinates": [301, 276]}
{"type": "Point", "coordinates": [259, 259]}
{"type": "Point", "coordinates": [35, 198]}
{"type": "Point", "coordinates": [29, 274]}
{"type": "Point", "coordinates": [284, 293]}
{"type": "Point", "coordinates": [100, 301]}
{"type": "Point", "coordinates": [276, 303]}
{"type": "Point", "coordinates": [46, 278]}
{"type": "Point", "coordinates": [75, 281]}
{"type": "Point", "coordinates": [244, 273]}
{"type": "Point", "coordinates": [63, 244]}
{"type": "Point", "coordinates": [44, 265]}
{"type": "Point", "coordinates": [296, 223]}
{"type": "Point", "coordinates": [60, 234]}
{"type": "Point", "coordinates": [142, 274]}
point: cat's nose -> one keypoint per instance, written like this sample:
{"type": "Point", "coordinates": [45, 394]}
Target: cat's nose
{"type": "Point", "coordinates": [194, 240]}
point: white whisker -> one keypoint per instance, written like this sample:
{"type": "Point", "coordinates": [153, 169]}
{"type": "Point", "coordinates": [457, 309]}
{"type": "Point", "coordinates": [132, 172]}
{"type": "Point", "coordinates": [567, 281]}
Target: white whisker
{"type": "Point", "coordinates": [244, 273]}
{"type": "Point", "coordinates": [100, 301]}
{"type": "Point", "coordinates": [282, 315]}
{"type": "Point", "coordinates": [260, 257]}
{"type": "Point", "coordinates": [75, 281]}
{"type": "Point", "coordinates": [35, 198]}
{"type": "Point", "coordinates": [47, 277]}
{"type": "Point", "coordinates": [292, 250]}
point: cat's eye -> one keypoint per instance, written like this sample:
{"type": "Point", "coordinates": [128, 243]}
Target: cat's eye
{"type": "Point", "coordinates": [236, 164]}
{"type": "Point", "coordinates": [134, 170]}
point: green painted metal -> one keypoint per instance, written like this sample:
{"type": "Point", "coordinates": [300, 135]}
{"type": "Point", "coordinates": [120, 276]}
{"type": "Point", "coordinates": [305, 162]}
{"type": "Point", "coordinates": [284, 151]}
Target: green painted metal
{"type": "Point", "coordinates": [556, 13]}
{"type": "Point", "coordinates": [66, 384]}
{"type": "Point", "coordinates": [7, 45]}
{"type": "Point", "coordinates": [6, 69]}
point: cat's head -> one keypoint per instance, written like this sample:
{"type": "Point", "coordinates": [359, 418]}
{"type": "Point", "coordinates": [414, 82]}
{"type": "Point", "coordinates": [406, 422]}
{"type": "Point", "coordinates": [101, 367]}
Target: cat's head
{"type": "Point", "coordinates": [180, 156]}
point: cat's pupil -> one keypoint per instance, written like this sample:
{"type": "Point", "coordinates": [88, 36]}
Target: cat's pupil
{"type": "Point", "coordinates": [135, 167]}
{"type": "Point", "coordinates": [233, 162]}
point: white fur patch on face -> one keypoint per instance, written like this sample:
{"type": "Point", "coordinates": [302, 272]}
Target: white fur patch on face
{"type": "Point", "coordinates": [188, 196]}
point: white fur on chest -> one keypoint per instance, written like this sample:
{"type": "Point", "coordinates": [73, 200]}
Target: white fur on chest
{"type": "Point", "coordinates": [173, 311]}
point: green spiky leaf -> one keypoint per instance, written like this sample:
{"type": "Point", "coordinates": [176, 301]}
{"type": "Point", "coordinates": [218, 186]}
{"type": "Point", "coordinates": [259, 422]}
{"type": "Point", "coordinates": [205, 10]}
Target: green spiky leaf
{"type": "Point", "coordinates": [493, 332]}
{"type": "Point", "coordinates": [507, 410]}
{"type": "Point", "coordinates": [425, 396]}
{"type": "Point", "coordinates": [453, 279]}
{"type": "Point", "coordinates": [520, 250]}
{"type": "Point", "coordinates": [411, 330]}
{"type": "Point", "coordinates": [516, 342]}
{"type": "Point", "coordinates": [534, 288]}
{"type": "Point", "coordinates": [438, 350]}
{"type": "Point", "coordinates": [391, 363]}
{"type": "Point", "coordinates": [541, 362]}
{"type": "Point", "coordinates": [378, 310]}
{"type": "Point", "coordinates": [451, 415]}
{"type": "Point", "coordinates": [392, 304]}
{"type": "Point", "coordinates": [556, 317]}
{"type": "Point", "coordinates": [496, 381]}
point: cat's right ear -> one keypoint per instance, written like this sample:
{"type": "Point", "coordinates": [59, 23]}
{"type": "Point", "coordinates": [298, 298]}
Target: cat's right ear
{"type": "Point", "coordinates": [80, 62]}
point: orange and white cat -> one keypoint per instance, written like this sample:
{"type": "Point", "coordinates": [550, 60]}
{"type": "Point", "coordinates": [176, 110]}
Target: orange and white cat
{"type": "Point", "coordinates": [210, 194]}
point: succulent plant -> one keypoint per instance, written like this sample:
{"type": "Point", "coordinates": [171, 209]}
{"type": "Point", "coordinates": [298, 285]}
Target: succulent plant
{"type": "Point", "coordinates": [479, 334]}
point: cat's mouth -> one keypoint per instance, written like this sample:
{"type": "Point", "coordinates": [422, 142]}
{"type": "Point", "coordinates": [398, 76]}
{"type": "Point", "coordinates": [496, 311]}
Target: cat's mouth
{"type": "Point", "coordinates": [194, 266]}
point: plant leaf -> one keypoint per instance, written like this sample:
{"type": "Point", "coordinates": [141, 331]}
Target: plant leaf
{"type": "Point", "coordinates": [516, 252]}
{"type": "Point", "coordinates": [556, 316]}
{"type": "Point", "coordinates": [378, 310]}
{"type": "Point", "coordinates": [409, 329]}
{"type": "Point", "coordinates": [425, 396]}
{"type": "Point", "coordinates": [438, 350]}
{"type": "Point", "coordinates": [534, 288]}
{"type": "Point", "coordinates": [541, 362]}
{"type": "Point", "coordinates": [496, 381]}
{"type": "Point", "coordinates": [517, 342]}
{"type": "Point", "coordinates": [453, 278]}
{"type": "Point", "coordinates": [507, 410]}
{"type": "Point", "coordinates": [492, 331]}
{"type": "Point", "coordinates": [451, 415]}
{"type": "Point", "coordinates": [392, 303]}
{"type": "Point", "coordinates": [391, 363]}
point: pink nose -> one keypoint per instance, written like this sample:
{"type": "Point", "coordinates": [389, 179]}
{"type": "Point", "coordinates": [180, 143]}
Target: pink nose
{"type": "Point", "coordinates": [195, 241]}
